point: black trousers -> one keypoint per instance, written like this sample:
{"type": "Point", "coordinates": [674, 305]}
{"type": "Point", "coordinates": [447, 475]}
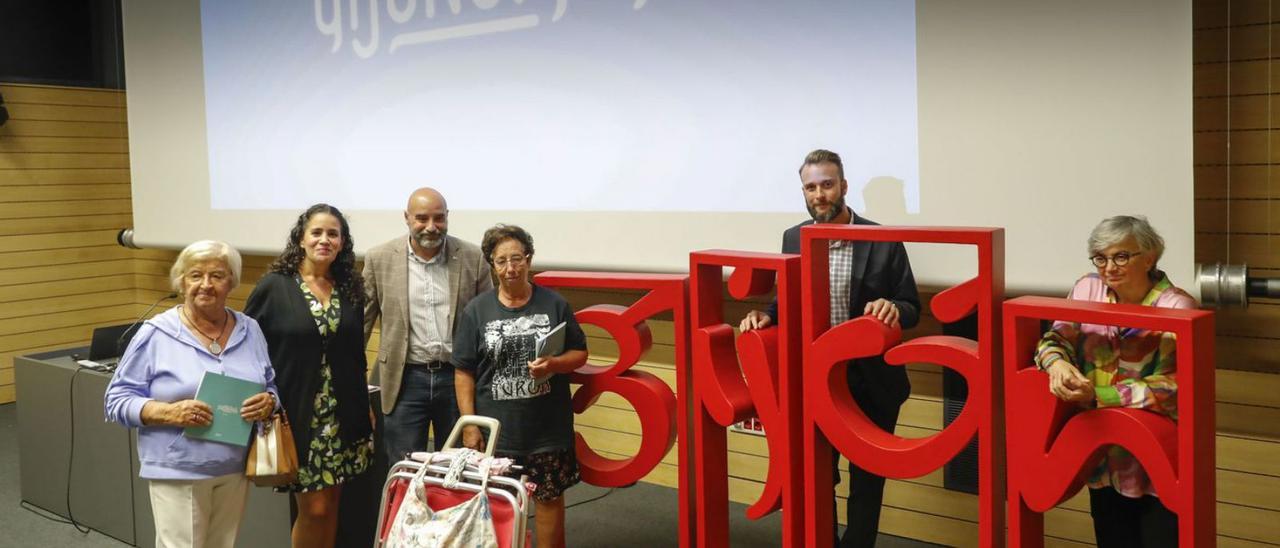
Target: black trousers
{"type": "Point", "coordinates": [866, 490]}
{"type": "Point", "coordinates": [1121, 521]}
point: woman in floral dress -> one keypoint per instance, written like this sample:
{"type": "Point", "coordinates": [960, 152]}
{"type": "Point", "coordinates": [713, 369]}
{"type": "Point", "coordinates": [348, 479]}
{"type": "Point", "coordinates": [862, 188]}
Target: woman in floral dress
{"type": "Point", "coordinates": [310, 306]}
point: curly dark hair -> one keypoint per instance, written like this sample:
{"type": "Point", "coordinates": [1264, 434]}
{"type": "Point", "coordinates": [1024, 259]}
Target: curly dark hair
{"type": "Point", "coordinates": [501, 233]}
{"type": "Point", "coordinates": [348, 282]}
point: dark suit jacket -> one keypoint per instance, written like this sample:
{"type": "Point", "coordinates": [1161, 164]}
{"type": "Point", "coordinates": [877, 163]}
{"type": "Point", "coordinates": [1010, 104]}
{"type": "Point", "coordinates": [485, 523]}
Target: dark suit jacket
{"type": "Point", "coordinates": [881, 270]}
{"type": "Point", "coordinates": [295, 346]}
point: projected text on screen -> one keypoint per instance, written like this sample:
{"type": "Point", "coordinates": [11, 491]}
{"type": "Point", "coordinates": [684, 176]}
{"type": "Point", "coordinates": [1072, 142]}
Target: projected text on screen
{"type": "Point", "coordinates": [331, 24]}
{"type": "Point", "coordinates": [556, 105]}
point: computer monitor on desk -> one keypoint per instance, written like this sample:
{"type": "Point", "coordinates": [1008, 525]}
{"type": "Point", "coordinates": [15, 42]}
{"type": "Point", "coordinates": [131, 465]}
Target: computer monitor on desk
{"type": "Point", "coordinates": [109, 343]}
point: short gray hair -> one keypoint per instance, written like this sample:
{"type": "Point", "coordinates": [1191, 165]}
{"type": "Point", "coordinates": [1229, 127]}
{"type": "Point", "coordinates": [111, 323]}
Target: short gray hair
{"type": "Point", "coordinates": [205, 250]}
{"type": "Point", "coordinates": [1114, 230]}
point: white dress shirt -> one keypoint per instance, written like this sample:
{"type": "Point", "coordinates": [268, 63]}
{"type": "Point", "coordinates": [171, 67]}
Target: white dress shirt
{"type": "Point", "coordinates": [430, 336]}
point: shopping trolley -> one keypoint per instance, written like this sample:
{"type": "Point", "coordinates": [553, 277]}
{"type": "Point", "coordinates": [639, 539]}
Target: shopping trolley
{"type": "Point", "coordinates": [508, 497]}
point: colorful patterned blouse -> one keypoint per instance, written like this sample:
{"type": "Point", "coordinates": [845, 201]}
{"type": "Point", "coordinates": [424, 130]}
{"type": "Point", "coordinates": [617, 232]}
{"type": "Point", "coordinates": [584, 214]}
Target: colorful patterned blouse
{"type": "Point", "coordinates": [1129, 368]}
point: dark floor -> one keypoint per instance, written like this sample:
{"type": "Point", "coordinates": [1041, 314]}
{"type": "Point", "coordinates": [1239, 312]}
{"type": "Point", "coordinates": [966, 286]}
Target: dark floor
{"type": "Point", "coordinates": [643, 515]}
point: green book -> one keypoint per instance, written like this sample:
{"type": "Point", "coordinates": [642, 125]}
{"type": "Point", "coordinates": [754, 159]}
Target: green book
{"type": "Point", "coordinates": [225, 395]}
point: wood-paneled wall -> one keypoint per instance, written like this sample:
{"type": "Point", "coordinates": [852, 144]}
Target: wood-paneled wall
{"type": "Point", "coordinates": [1236, 56]}
{"type": "Point", "coordinates": [1237, 155]}
{"type": "Point", "coordinates": [64, 194]}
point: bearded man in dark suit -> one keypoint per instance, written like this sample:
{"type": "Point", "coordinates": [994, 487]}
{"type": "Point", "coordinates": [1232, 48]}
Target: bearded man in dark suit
{"type": "Point", "coordinates": [867, 278]}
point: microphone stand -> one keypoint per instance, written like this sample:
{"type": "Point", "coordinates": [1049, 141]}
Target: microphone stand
{"type": "Point", "coordinates": [138, 321]}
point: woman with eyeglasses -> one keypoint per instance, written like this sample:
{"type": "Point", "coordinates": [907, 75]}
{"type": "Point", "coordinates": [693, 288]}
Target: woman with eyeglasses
{"type": "Point", "coordinates": [1108, 366]}
{"type": "Point", "coordinates": [197, 487]}
{"type": "Point", "coordinates": [498, 374]}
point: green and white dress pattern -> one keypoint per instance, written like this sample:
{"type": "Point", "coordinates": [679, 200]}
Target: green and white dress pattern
{"type": "Point", "coordinates": [330, 461]}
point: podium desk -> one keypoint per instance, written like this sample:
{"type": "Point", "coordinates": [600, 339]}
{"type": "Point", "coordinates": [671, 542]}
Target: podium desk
{"type": "Point", "coordinates": [61, 421]}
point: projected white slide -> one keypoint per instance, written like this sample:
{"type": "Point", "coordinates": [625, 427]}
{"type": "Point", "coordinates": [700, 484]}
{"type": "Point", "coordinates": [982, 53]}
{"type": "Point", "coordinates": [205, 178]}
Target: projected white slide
{"type": "Point", "coordinates": [555, 105]}
{"type": "Point", "coordinates": [624, 134]}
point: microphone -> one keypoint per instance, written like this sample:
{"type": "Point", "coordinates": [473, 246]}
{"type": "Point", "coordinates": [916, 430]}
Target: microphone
{"type": "Point", "coordinates": [138, 321]}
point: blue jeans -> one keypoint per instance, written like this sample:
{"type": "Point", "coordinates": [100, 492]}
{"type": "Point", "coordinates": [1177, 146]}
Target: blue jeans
{"type": "Point", "coordinates": [426, 400]}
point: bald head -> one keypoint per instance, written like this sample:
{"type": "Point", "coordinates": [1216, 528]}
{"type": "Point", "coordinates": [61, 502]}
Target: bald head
{"type": "Point", "coordinates": [427, 216]}
{"type": "Point", "coordinates": [427, 196]}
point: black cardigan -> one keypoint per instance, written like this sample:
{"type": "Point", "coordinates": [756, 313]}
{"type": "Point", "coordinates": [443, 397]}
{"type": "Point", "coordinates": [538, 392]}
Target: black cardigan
{"type": "Point", "coordinates": [294, 344]}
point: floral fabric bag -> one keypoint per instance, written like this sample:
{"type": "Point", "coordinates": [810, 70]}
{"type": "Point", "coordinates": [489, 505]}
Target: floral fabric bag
{"type": "Point", "coordinates": [469, 524]}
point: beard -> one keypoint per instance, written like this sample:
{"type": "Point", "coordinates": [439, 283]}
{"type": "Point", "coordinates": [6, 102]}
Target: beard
{"type": "Point", "coordinates": [837, 207]}
{"type": "Point", "coordinates": [430, 240]}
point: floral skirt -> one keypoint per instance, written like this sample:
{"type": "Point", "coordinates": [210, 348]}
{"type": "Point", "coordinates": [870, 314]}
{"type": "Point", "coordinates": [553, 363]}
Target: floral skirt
{"type": "Point", "coordinates": [330, 460]}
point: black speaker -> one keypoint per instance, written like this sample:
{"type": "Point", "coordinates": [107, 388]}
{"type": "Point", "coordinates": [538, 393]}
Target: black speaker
{"type": "Point", "coordinates": [961, 473]}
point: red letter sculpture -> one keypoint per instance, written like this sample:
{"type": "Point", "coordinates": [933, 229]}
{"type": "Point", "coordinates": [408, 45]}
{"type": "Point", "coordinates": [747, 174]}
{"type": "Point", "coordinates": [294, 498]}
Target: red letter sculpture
{"type": "Point", "coordinates": [1051, 446]}
{"type": "Point", "coordinates": [833, 418]}
{"type": "Point", "coordinates": [721, 396]}
{"type": "Point", "coordinates": [649, 395]}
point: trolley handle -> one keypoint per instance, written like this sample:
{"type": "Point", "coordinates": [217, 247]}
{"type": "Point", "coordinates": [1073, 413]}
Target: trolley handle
{"type": "Point", "coordinates": [484, 423]}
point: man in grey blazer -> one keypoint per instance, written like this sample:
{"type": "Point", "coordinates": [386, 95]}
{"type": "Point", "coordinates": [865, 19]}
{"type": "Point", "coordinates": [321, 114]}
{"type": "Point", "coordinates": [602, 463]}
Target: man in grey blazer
{"type": "Point", "coordinates": [419, 285]}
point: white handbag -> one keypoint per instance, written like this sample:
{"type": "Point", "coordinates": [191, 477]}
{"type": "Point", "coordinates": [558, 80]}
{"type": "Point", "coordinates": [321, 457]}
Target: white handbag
{"type": "Point", "coordinates": [273, 459]}
{"type": "Point", "coordinates": [469, 524]}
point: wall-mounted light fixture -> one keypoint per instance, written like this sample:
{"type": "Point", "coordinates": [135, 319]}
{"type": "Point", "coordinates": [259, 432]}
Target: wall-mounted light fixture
{"type": "Point", "coordinates": [1226, 285]}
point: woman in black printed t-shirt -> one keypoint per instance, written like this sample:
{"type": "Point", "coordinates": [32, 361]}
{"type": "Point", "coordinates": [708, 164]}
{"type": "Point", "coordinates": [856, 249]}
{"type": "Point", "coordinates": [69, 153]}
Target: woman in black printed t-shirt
{"type": "Point", "coordinates": [497, 374]}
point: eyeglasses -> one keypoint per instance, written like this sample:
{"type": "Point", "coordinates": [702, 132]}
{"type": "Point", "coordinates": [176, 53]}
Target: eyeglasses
{"type": "Point", "coordinates": [1120, 259]}
{"type": "Point", "coordinates": [514, 260]}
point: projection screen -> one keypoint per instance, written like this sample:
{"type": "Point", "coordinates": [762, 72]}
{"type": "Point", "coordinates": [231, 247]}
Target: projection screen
{"type": "Point", "coordinates": [625, 133]}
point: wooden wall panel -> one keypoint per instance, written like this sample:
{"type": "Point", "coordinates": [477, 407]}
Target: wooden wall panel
{"type": "Point", "coordinates": [61, 129]}
{"type": "Point", "coordinates": [1239, 216]}
{"type": "Point", "coordinates": [1242, 77]}
{"type": "Point", "coordinates": [1242, 182]}
{"type": "Point", "coordinates": [64, 194]}
{"type": "Point", "coordinates": [62, 176]}
{"type": "Point", "coordinates": [1235, 112]}
{"type": "Point", "coordinates": [1236, 125]}
{"type": "Point", "coordinates": [1255, 147]}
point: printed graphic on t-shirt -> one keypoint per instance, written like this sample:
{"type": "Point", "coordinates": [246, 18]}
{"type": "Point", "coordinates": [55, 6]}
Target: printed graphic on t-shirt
{"type": "Point", "coordinates": [511, 342]}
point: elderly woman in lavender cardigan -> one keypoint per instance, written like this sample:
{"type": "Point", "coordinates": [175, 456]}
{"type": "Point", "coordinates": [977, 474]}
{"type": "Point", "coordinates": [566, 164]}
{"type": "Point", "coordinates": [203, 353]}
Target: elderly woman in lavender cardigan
{"type": "Point", "coordinates": [198, 488]}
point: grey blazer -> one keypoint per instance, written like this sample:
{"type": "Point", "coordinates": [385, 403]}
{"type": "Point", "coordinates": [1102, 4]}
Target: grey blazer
{"type": "Point", "coordinates": [386, 281]}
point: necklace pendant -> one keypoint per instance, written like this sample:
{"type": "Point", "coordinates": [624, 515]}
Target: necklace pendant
{"type": "Point", "coordinates": [215, 347]}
